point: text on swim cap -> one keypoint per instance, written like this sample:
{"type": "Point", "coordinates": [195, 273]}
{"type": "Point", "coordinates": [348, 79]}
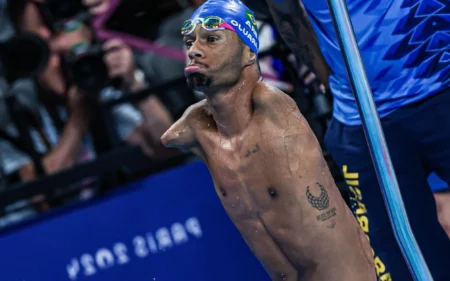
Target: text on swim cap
{"type": "Point", "coordinates": [245, 31]}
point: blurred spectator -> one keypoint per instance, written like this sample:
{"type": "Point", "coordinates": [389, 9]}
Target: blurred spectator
{"type": "Point", "coordinates": [160, 69]}
{"type": "Point", "coordinates": [65, 139]}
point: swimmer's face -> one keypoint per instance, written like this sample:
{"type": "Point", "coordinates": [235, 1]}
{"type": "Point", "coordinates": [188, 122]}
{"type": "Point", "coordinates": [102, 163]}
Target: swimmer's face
{"type": "Point", "coordinates": [214, 58]}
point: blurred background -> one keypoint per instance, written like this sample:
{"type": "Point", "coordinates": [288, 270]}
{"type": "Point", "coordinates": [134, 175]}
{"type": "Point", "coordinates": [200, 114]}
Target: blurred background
{"type": "Point", "coordinates": [87, 191]}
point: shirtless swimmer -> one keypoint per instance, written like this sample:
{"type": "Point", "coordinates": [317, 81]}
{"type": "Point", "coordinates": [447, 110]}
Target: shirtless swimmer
{"type": "Point", "coordinates": [266, 163]}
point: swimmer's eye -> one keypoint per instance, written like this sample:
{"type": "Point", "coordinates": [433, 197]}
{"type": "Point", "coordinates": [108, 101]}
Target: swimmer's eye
{"type": "Point", "coordinates": [188, 43]}
{"type": "Point", "coordinates": [212, 39]}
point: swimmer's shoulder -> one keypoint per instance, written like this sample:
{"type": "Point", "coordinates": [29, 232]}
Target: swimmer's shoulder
{"type": "Point", "coordinates": [196, 111]}
{"type": "Point", "coordinates": [271, 100]}
{"type": "Point", "coordinates": [198, 116]}
{"type": "Point", "coordinates": [184, 133]}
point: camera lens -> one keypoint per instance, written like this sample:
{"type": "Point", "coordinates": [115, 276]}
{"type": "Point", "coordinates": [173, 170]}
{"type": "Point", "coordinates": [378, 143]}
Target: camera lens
{"type": "Point", "coordinates": [90, 72]}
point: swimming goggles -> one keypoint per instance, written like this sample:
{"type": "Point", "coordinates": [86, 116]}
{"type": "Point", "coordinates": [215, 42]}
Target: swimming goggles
{"type": "Point", "coordinates": [210, 23]}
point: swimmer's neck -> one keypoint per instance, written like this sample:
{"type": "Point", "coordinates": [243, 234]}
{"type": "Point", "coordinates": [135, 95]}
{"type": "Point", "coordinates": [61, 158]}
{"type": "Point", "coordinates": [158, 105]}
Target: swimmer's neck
{"type": "Point", "coordinates": [232, 108]}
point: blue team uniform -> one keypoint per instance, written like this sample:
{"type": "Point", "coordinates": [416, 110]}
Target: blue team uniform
{"type": "Point", "coordinates": [405, 47]}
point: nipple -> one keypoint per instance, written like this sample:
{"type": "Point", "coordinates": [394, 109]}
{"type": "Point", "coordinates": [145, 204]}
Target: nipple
{"type": "Point", "coordinates": [272, 192]}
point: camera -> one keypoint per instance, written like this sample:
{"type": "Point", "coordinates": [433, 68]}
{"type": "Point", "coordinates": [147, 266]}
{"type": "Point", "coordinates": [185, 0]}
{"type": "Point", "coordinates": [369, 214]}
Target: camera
{"type": "Point", "coordinates": [85, 64]}
{"type": "Point", "coordinates": [87, 68]}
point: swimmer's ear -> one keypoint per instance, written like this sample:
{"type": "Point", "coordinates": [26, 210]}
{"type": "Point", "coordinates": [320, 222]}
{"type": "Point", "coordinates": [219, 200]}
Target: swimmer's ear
{"type": "Point", "coordinates": [250, 57]}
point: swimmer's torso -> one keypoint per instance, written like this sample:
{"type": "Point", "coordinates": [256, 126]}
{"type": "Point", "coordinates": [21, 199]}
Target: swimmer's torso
{"type": "Point", "coordinates": [262, 177]}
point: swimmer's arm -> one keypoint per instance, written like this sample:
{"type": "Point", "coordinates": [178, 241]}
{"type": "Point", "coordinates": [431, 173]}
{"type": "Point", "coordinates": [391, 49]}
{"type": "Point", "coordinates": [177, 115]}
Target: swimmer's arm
{"type": "Point", "coordinates": [187, 132]}
{"type": "Point", "coordinates": [181, 134]}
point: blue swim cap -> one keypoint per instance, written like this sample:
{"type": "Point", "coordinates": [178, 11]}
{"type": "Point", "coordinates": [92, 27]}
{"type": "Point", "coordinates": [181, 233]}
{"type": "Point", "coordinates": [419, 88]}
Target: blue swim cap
{"type": "Point", "coordinates": [236, 14]}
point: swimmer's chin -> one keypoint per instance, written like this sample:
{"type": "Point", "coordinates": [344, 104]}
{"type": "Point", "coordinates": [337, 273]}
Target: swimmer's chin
{"type": "Point", "coordinates": [198, 81]}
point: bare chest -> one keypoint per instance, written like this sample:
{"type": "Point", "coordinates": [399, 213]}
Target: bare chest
{"type": "Point", "coordinates": [246, 175]}
{"type": "Point", "coordinates": [236, 167]}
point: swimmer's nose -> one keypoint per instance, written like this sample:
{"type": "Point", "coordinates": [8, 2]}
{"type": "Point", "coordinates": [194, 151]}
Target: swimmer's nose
{"type": "Point", "coordinates": [195, 52]}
